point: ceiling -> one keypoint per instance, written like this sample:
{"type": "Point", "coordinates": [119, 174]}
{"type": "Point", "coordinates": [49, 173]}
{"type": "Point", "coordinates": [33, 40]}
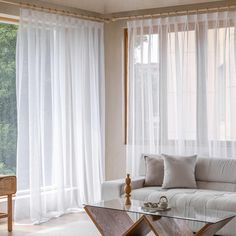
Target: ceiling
{"type": "Point", "coordinates": [113, 6]}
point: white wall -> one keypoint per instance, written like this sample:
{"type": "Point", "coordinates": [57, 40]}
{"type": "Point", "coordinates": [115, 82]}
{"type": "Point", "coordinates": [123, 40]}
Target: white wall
{"type": "Point", "coordinates": [112, 6]}
{"type": "Point", "coordinates": [114, 72]}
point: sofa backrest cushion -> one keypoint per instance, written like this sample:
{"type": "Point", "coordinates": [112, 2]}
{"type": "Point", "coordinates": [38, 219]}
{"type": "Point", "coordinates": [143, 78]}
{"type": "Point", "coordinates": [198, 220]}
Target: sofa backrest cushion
{"type": "Point", "coordinates": [219, 186]}
{"type": "Point", "coordinates": [211, 173]}
{"type": "Point", "coordinates": [216, 170]}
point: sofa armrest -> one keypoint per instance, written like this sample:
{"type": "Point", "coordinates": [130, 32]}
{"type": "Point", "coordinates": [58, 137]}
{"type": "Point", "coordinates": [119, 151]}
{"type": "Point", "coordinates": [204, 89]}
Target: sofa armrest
{"type": "Point", "coordinates": [115, 188]}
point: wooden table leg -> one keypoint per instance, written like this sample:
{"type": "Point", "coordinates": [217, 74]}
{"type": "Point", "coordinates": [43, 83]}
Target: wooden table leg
{"type": "Point", "coordinates": [160, 226]}
{"type": "Point", "coordinates": [109, 222]}
{"type": "Point", "coordinates": [168, 226]}
{"type": "Point", "coordinates": [140, 227]}
{"type": "Point", "coordinates": [9, 212]}
{"type": "Point", "coordinates": [211, 229]}
{"type": "Point", "coordinates": [178, 227]}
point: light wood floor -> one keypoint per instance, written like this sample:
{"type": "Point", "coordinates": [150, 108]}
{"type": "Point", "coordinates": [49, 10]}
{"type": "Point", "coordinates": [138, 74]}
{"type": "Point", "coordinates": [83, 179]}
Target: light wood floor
{"type": "Point", "coordinates": [77, 224]}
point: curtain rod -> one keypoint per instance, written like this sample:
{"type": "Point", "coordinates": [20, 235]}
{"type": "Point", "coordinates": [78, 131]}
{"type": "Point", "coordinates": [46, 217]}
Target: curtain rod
{"type": "Point", "coordinates": [118, 18]}
{"type": "Point", "coordinates": [173, 13]}
{"type": "Point", "coordinates": [54, 10]}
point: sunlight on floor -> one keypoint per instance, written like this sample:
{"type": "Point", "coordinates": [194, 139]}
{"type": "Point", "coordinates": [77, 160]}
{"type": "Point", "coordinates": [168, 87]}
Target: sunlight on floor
{"type": "Point", "coordinates": [68, 225]}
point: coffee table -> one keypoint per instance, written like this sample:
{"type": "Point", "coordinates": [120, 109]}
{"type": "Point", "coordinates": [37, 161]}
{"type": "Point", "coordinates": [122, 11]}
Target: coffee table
{"type": "Point", "coordinates": [111, 219]}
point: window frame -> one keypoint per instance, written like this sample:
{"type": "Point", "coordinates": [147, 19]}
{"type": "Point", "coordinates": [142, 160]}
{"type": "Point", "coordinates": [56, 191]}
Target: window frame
{"type": "Point", "coordinates": [9, 19]}
{"type": "Point", "coordinates": [126, 56]}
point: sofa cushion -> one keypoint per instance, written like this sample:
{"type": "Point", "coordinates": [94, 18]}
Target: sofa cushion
{"type": "Point", "coordinates": [186, 199]}
{"type": "Point", "coordinates": [154, 193]}
{"type": "Point", "coordinates": [216, 170]}
{"type": "Point", "coordinates": [180, 197]}
{"type": "Point", "coordinates": [154, 171]}
{"type": "Point", "coordinates": [198, 198]}
{"type": "Point", "coordinates": [143, 193]}
{"type": "Point", "coordinates": [219, 186]}
{"type": "Point", "coordinates": [179, 171]}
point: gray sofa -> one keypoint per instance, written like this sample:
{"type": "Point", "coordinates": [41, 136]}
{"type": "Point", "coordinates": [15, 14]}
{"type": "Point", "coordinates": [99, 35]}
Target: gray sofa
{"type": "Point", "coordinates": [216, 189]}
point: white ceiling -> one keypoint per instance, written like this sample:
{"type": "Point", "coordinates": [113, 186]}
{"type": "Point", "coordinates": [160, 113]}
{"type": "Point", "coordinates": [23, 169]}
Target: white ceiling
{"type": "Point", "coordinates": [112, 6]}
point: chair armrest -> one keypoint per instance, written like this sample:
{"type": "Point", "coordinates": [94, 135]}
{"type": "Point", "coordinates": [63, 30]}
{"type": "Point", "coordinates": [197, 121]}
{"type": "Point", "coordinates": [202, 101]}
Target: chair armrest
{"type": "Point", "coordinates": [115, 188]}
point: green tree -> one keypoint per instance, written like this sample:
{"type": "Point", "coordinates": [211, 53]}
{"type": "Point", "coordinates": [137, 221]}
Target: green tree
{"type": "Point", "coordinates": [8, 115]}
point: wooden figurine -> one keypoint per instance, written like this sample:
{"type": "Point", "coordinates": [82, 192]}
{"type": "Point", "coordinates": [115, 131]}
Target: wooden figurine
{"type": "Point", "coordinates": [127, 190]}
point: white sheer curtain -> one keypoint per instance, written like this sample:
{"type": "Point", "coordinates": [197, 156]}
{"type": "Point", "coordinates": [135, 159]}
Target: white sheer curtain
{"type": "Point", "coordinates": [60, 102]}
{"type": "Point", "coordinates": [182, 86]}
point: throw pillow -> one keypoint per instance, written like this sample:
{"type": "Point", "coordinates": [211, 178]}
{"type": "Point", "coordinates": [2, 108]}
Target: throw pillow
{"type": "Point", "coordinates": [179, 171]}
{"type": "Point", "coordinates": [154, 170]}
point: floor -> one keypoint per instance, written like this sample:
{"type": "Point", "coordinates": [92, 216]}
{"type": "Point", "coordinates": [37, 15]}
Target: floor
{"type": "Point", "coordinates": [77, 224]}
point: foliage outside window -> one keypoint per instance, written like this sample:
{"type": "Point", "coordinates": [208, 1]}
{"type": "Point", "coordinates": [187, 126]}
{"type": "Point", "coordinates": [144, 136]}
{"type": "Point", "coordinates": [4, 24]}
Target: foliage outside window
{"type": "Point", "coordinates": [8, 113]}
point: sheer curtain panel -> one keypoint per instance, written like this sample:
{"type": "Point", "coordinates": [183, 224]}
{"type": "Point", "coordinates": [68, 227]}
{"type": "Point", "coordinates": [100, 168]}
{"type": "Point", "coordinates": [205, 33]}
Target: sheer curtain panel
{"type": "Point", "coordinates": [60, 103]}
{"type": "Point", "coordinates": [182, 86]}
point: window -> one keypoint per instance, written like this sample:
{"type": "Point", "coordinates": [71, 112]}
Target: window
{"type": "Point", "coordinates": [8, 115]}
{"type": "Point", "coordinates": [188, 76]}
{"type": "Point", "coordinates": [185, 52]}
{"type": "Point", "coordinates": [222, 83]}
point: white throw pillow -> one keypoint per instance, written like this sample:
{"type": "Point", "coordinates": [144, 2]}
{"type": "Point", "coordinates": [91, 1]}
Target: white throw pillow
{"type": "Point", "coordinates": [179, 171]}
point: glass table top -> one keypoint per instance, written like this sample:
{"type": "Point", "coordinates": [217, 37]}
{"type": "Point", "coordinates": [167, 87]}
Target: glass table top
{"type": "Point", "coordinates": [186, 213]}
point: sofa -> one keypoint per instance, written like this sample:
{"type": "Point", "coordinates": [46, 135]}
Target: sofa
{"type": "Point", "coordinates": [216, 189]}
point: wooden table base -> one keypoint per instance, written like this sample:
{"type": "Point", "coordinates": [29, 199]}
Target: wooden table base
{"type": "Point", "coordinates": [118, 223]}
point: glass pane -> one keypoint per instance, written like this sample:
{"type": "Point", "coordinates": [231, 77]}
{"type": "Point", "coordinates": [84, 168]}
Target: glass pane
{"type": "Point", "coordinates": [8, 117]}
{"type": "Point", "coordinates": [146, 88]}
{"type": "Point", "coordinates": [146, 49]}
{"type": "Point", "coordinates": [221, 84]}
{"type": "Point", "coordinates": [186, 213]}
{"type": "Point", "coordinates": [182, 85]}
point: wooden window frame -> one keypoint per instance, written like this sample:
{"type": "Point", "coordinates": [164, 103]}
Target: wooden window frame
{"type": "Point", "coordinates": [126, 85]}
{"type": "Point", "coordinates": [9, 20]}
